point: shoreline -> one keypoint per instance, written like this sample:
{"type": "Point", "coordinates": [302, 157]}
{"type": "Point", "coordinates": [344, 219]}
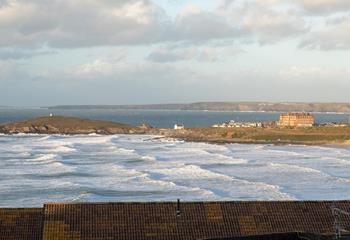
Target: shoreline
{"type": "Point", "coordinates": [342, 145]}
{"type": "Point", "coordinates": [320, 136]}
{"type": "Point", "coordinates": [276, 143]}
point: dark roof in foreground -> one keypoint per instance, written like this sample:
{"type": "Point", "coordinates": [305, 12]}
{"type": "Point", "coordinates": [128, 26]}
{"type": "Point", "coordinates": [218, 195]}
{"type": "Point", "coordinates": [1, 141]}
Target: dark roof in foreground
{"type": "Point", "coordinates": [197, 220]}
{"type": "Point", "coordinates": [17, 223]}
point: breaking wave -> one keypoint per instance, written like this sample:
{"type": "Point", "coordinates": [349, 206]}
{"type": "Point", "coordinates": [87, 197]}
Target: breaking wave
{"type": "Point", "coordinates": [40, 168]}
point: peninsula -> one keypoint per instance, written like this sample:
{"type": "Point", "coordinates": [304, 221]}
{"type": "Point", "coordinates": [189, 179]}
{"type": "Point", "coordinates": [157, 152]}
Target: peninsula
{"type": "Point", "coordinates": [69, 125]}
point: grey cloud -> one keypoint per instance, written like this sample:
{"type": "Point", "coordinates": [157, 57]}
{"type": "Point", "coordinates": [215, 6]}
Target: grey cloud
{"type": "Point", "coordinates": [324, 6]}
{"type": "Point", "coordinates": [204, 26]}
{"type": "Point", "coordinates": [89, 23]}
{"type": "Point", "coordinates": [65, 24]}
{"type": "Point", "coordinates": [79, 23]}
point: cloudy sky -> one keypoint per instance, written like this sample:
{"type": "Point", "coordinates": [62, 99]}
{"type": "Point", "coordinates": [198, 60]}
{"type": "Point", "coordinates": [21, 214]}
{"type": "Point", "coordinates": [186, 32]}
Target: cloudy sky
{"type": "Point", "coordinates": [162, 51]}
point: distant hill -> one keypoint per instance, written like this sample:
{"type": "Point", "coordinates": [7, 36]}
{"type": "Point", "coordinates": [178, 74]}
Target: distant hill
{"type": "Point", "coordinates": [226, 106]}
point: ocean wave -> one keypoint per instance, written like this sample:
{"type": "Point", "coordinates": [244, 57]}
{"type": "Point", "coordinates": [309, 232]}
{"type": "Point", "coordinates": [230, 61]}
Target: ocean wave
{"type": "Point", "coordinates": [263, 191]}
{"type": "Point", "coordinates": [133, 167]}
{"type": "Point", "coordinates": [149, 158]}
{"type": "Point", "coordinates": [220, 184]}
{"type": "Point", "coordinates": [96, 139]}
{"type": "Point", "coordinates": [121, 150]}
{"type": "Point", "coordinates": [199, 156]}
{"type": "Point", "coordinates": [283, 167]}
{"type": "Point", "coordinates": [46, 157]}
{"type": "Point", "coordinates": [190, 172]}
{"type": "Point", "coordinates": [62, 149]}
{"type": "Point", "coordinates": [45, 138]}
{"type": "Point", "coordinates": [52, 160]}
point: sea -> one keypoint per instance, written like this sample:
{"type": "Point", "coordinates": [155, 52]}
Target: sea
{"type": "Point", "coordinates": [160, 118]}
{"type": "Point", "coordinates": [35, 169]}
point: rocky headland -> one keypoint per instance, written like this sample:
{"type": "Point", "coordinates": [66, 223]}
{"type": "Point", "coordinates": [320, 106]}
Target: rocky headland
{"type": "Point", "coordinates": [68, 125]}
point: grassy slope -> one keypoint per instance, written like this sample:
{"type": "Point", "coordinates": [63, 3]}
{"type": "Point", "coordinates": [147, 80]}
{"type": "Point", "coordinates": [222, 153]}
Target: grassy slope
{"type": "Point", "coordinates": [315, 134]}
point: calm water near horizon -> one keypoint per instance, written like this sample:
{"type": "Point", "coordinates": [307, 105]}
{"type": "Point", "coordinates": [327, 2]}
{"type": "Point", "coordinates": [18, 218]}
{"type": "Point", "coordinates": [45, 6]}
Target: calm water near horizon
{"type": "Point", "coordinates": [160, 118]}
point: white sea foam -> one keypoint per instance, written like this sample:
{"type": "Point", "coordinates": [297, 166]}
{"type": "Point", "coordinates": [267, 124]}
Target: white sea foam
{"type": "Point", "coordinates": [96, 139]}
{"type": "Point", "coordinates": [43, 159]}
{"type": "Point", "coordinates": [190, 172]}
{"type": "Point", "coordinates": [45, 138]}
{"type": "Point", "coordinates": [121, 150]}
{"type": "Point", "coordinates": [149, 158]}
{"type": "Point", "coordinates": [143, 168]}
{"type": "Point", "coordinates": [278, 167]}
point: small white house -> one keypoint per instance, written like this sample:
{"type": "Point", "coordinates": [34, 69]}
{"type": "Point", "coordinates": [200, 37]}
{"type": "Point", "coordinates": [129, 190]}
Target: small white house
{"type": "Point", "coordinates": [179, 126]}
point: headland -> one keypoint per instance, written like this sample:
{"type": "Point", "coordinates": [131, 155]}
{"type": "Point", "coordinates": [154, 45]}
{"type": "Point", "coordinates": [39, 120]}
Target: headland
{"type": "Point", "coordinates": [317, 135]}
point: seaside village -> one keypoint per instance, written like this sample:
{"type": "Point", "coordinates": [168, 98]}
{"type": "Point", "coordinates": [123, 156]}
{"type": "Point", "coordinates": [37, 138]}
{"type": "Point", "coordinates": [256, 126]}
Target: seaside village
{"type": "Point", "coordinates": [286, 120]}
{"type": "Point", "coordinates": [291, 119]}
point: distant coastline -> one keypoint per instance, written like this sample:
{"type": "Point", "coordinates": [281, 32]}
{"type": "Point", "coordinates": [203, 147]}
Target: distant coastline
{"type": "Point", "coordinates": [226, 106]}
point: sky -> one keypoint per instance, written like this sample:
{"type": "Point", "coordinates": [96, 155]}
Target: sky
{"type": "Point", "coordinates": [55, 52]}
